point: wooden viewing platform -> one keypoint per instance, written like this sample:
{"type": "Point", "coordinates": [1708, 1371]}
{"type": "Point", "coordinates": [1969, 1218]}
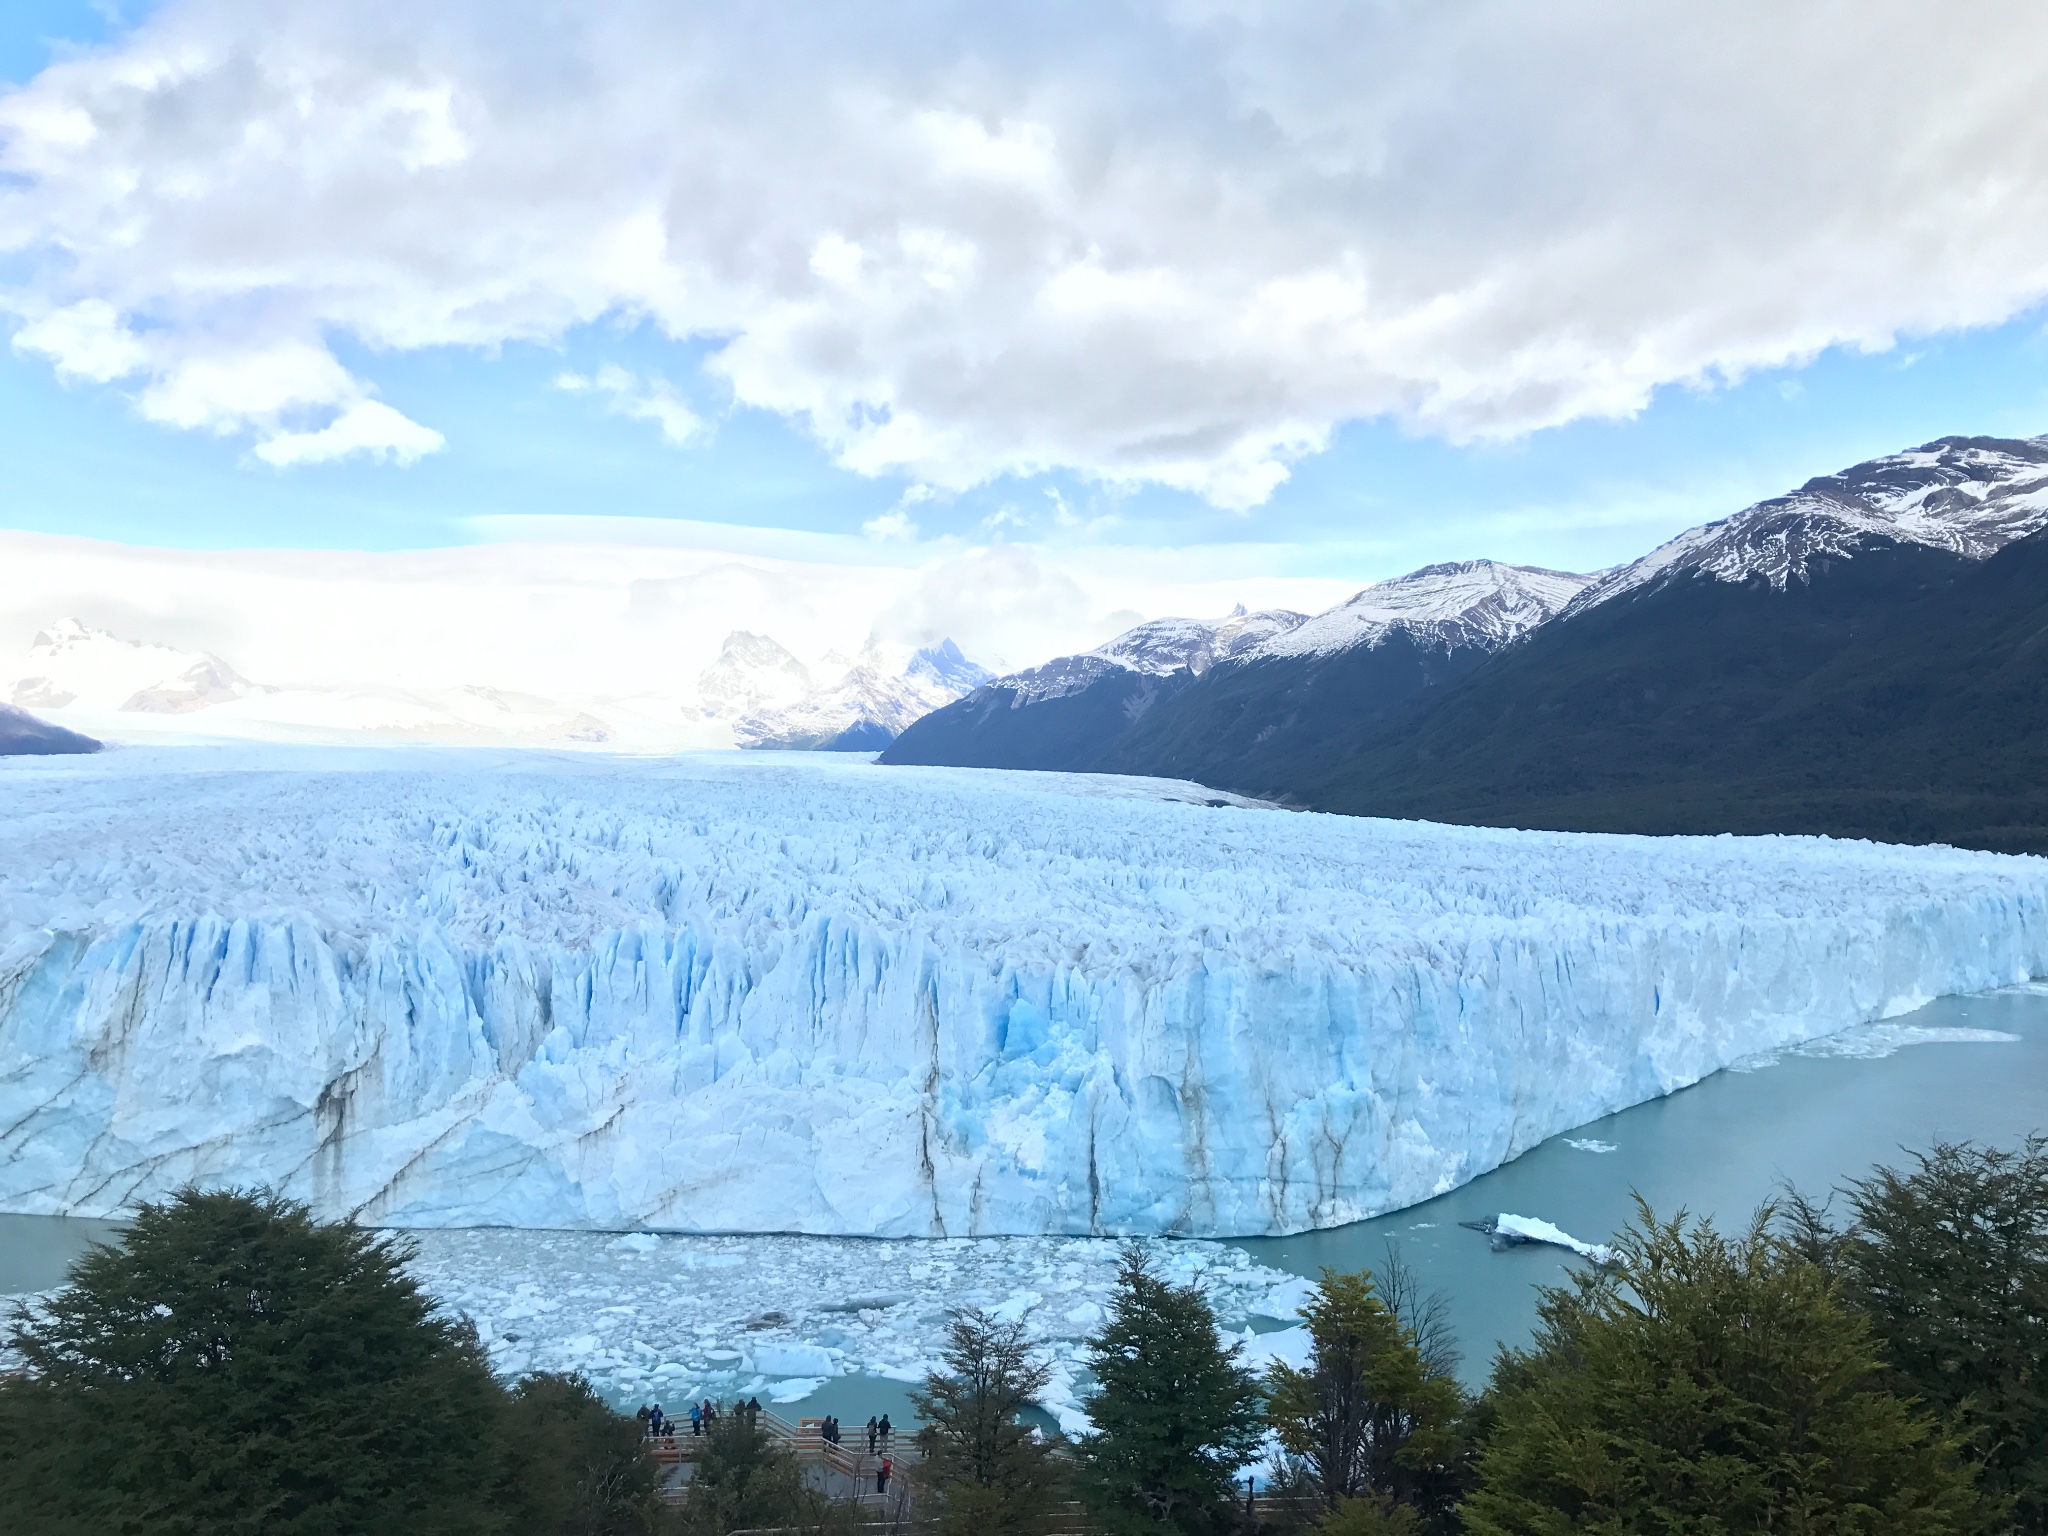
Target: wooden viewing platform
{"type": "Point", "coordinates": [844, 1469]}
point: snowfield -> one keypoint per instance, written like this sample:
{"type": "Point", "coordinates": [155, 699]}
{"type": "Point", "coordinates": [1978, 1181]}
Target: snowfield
{"type": "Point", "coordinates": [769, 993]}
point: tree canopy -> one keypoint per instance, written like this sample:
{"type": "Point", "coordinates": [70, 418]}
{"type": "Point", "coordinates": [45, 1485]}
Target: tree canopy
{"type": "Point", "coordinates": [1710, 1385]}
{"type": "Point", "coordinates": [984, 1467]}
{"type": "Point", "coordinates": [1176, 1415]}
{"type": "Point", "coordinates": [1372, 1418]}
{"type": "Point", "coordinates": [231, 1366]}
{"type": "Point", "coordinates": [1948, 1259]}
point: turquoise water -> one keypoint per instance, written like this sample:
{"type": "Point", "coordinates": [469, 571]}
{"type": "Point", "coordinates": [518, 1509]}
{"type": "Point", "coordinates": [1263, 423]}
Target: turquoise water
{"type": "Point", "coordinates": [1716, 1149]}
{"type": "Point", "coordinates": [35, 1251]}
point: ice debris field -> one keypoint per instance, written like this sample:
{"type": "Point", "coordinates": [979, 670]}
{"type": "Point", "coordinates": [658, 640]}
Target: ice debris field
{"type": "Point", "coordinates": [733, 993]}
{"type": "Point", "coordinates": [668, 1319]}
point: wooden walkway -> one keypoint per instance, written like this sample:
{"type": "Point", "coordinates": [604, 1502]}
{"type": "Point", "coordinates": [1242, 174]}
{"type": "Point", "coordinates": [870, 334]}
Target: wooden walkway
{"type": "Point", "coordinates": [847, 1471]}
{"type": "Point", "coordinates": [844, 1469]}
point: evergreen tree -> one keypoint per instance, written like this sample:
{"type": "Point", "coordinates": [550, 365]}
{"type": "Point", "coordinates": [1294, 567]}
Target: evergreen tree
{"type": "Point", "coordinates": [1371, 1420]}
{"type": "Point", "coordinates": [1710, 1386]}
{"type": "Point", "coordinates": [232, 1366]}
{"type": "Point", "coordinates": [744, 1480]}
{"type": "Point", "coordinates": [575, 1468]}
{"type": "Point", "coordinates": [1949, 1260]}
{"type": "Point", "coordinates": [1175, 1415]}
{"type": "Point", "coordinates": [984, 1468]}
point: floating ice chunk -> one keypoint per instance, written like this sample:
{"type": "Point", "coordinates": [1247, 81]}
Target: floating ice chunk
{"type": "Point", "coordinates": [1590, 1144]}
{"type": "Point", "coordinates": [1507, 1230]}
{"type": "Point", "coordinates": [1872, 1042]}
{"type": "Point", "coordinates": [880, 1302]}
{"type": "Point", "coordinates": [1285, 1300]}
{"type": "Point", "coordinates": [638, 1242]}
{"type": "Point", "coordinates": [792, 1360]}
{"type": "Point", "coordinates": [1013, 1310]}
{"type": "Point", "coordinates": [1060, 1400]}
{"type": "Point", "coordinates": [916, 1371]}
{"type": "Point", "coordinates": [1288, 1346]}
{"type": "Point", "coordinates": [795, 1390]}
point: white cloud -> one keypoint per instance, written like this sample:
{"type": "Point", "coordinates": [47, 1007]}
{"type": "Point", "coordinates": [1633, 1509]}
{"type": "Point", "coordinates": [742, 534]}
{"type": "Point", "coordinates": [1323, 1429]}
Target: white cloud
{"type": "Point", "coordinates": [893, 524]}
{"type": "Point", "coordinates": [654, 400]}
{"type": "Point", "coordinates": [369, 427]}
{"type": "Point", "coordinates": [229, 389]}
{"type": "Point", "coordinates": [86, 341]}
{"type": "Point", "coordinates": [897, 523]}
{"type": "Point", "coordinates": [590, 611]}
{"type": "Point", "coordinates": [1175, 243]}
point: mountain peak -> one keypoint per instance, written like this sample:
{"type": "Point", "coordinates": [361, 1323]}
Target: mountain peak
{"type": "Point", "coordinates": [871, 704]}
{"type": "Point", "coordinates": [1970, 496]}
{"type": "Point", "coordinates": [1463, 602]}
{"type": "Point", "coordinates": [73, 663]}
{"type": "Point", "coordinates": [752, 673]}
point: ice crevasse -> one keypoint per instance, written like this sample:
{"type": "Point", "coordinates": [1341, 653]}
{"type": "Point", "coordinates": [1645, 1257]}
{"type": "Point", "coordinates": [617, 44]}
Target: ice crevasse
{"type": "Point", "coordinates": [769, 994]}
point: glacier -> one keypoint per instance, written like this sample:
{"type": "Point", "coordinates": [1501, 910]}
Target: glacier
{"type": "Point", "coordinates": [730, 993]}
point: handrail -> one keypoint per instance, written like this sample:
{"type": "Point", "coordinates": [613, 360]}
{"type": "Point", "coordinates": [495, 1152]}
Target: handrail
{"type": "Point", "coordinates": [804, 1439]}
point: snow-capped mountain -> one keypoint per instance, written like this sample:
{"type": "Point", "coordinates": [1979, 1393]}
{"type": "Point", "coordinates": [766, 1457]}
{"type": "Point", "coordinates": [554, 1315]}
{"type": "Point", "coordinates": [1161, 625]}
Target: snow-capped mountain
{"type": "Point", "coordinates": [1178, 697]}
{"type": "Point", "coordinates": [756, 693]}
{"type": "Point", "coordinates": [753, 673]}
{"type": "Point", "coordinates": [1859, 657]}
{"type": "Point", "coordinates": [1166, 645]}
{"type": "Point", "coordinates": [92, 676]}
{"type": "Point", "coordinates": [870, 706]}
{"type": "Point", "coordinates": [1855, 657]}
{"type": "Point", "coordinates": [1155, 649]}
{"type": "Point", "coordinates": [1480, 603]}
{"type": "Point", "coordinates": [1970, 496]}
{"type": "Point", "coordinates": [71, 664]}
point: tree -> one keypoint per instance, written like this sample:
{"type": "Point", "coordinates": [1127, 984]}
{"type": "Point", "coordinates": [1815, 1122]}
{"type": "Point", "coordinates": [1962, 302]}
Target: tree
{"type": "Point", "coordinates": [233, 1366]}
{"type": "Point", "coordinates": [1371, 1420]}
{"type": "Point", "coordinates": [1949, 1261]}
{"type": "Point", "coordinates": [985, 1469]}
{"type": "Point", "coordinates": [575, 1467]}
{"type": "Point", "coordinates": [1175, 1415]}
{"type": "Point", "coordinates": [1710, 1385]}
{"type": "Point", "coordinates": [745, 1480]}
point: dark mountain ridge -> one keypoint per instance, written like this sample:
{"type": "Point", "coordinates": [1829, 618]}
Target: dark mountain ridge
{"type": "Point", "coordinates": [24, 735]}
{"type": "Point", "coordinates": [1241, 700]}
{"type": "Point", "coordinates": [1863, 657]}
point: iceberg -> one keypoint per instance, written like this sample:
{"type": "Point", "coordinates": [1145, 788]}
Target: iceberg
{"type": "Point", "coordinates": [782, 993]}
{"type": "Point", "coordinates": [1508, 1230]}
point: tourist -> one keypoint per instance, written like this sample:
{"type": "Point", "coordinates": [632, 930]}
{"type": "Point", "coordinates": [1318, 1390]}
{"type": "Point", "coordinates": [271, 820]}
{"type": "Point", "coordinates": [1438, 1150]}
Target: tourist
{"type": "Point", "coordinates": [655, 1421]}
{"type": "Point", "coordinates": [696, 1420]}
{"type": "Point", "coordinates": [873, 1430]}
{"type": "Point", "coordinates": [641, 1415]}
{"type": "Point", "coordinates": [882, 1475]}
{"type": "Point", "coordinates": [885, 1429]}
{"type": "Point", "coordinates": [754, 1410]}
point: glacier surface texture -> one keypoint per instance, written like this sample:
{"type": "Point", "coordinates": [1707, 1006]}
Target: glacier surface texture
{"type": "Point", "coordinates": [775, 993]}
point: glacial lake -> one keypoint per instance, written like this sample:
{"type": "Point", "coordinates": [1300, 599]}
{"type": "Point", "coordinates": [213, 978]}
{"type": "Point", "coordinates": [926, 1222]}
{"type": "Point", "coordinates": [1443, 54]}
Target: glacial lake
{"type": "Point", "coordinates": [1811, 1117]}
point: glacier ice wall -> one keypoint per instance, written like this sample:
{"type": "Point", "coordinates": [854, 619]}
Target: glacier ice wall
{"type": "Point", "coordinates": [706, 994]}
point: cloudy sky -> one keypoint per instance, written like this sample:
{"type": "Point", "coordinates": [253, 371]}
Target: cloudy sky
{"type": "Point", "coordinates": [1295, 289]}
